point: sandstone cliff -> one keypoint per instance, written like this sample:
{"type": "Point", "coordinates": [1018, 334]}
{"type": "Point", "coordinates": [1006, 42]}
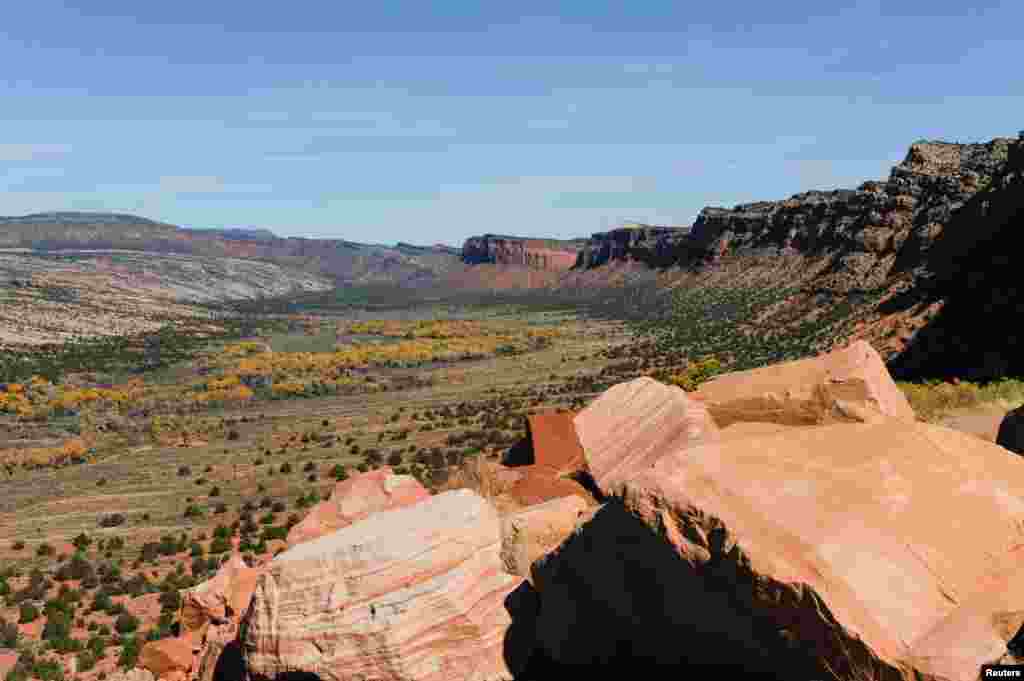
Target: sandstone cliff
{"type": "Point", "coordinates": [543, 254]}
{"type": "Point", "coordinates": [866, 234]}
{"type": "Point", "coordinates": [654, 246]}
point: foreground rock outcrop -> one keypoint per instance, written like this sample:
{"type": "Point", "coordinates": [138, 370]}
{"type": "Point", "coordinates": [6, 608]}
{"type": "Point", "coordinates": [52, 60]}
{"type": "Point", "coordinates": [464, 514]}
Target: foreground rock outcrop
{"type": "Point", "coordinates": [846, 385]}
{"type": "Point", "coordinates": [356, 498]}
{"type": "Point", "coordinates": [210, 615]}
{"type": "Point", "coordinates": [631, 425]}
{"type": "Point", "coordinates": [411, 593]}
{"type": "Point", "coordinates": [888, 550]}
{"type": "Point", "coordinates": [169, 658]}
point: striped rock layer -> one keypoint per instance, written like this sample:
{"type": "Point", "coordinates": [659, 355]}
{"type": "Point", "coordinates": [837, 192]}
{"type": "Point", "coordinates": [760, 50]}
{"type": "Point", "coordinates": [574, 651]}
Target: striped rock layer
{"type": "Point", "coordinates": [632, 424]}
{"type": "Point", "coordinates": [415, 593]}
{"type": "Point", "coordinates": [356, 498]}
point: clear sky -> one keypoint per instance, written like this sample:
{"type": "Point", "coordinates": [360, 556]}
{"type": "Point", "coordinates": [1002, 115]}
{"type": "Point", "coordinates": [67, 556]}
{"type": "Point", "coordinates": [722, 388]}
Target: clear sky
{"type": "Point", "coordinates": [428, 122]}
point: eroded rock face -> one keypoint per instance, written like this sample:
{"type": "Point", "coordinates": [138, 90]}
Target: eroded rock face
{"type": "Point", "coordinates": [544, 254]}
{"type": "Point", "coordinates": [411, 593]}
{"type": "Point", "coordinates": [210, 614]}
{"type": "Point", "coordinates": [357, 498]}
{"type": "Point", "coordinates": [847, 385]}
{"type": "Point", "coordinates": [651, 245]}
{"type": "Point", "coordinates": [534, 531]}
{"type": "Point", "coordinates": [631, 425]}
{"type": "Point", "coordinates": [888, 550]}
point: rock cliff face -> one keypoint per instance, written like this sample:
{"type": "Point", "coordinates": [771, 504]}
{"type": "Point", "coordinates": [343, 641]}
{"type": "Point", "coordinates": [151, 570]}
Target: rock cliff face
{"type": "Point", "coordinates": [865, 235]}
{"type": "Point", "coordinates": [869, 234]}
{"type": "Point", "coordinates": [543, 254]}
{"type": "Point", "coordinates": [972, 266]}
{"type": "Point", "coordinates": [654, 246]}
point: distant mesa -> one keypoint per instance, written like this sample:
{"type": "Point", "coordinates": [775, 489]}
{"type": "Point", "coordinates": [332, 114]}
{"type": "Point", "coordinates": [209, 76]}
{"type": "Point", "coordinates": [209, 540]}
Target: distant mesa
{"type": "Point", "coordinates": [543, 254]}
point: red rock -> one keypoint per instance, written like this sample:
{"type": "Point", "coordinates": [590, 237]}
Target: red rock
{"type": "Point", "coordinates": [8, 658]}
{"type": "Point", "coordinates": [847, 385]}
{"type": "Point", "coordinates": [888, 550]}
{"type": "Point", "coordinates": [356, 498]}
{"type": "Point", "coordinates": [414, 593]}
{"type": "Point", "coordinates": [165, 656]}
{"type": "Point", "coordinates": [33, 629]}
{"type": "Point", "coordinates": [552, 453]}
{"type": "Point", "coordinates": [210, 613]}
{"type": "Point", "coordinates": [631, 425]}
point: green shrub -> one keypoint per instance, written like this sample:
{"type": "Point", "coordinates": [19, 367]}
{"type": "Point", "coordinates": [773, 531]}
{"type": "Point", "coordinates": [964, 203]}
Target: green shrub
{"type": "Point", "coordinates": [129, 653]}
{"type": "Point", "coordinates": [126, 623]}
{"type": "Point", "coordinates": [27, 613]}
{"type": "Point", "coordinates": [86, 660]}
{"type": "Point", "coordinates": [220, 545]}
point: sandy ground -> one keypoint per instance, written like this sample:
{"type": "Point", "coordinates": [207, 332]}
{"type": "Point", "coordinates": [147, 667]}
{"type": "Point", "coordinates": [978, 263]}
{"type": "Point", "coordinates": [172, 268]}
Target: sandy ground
{"type": "Point", "coordinates": [980, 421]}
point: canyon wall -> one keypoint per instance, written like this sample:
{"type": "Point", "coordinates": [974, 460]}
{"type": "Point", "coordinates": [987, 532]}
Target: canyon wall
{"type": "Point", "coordinates": [542, 254]}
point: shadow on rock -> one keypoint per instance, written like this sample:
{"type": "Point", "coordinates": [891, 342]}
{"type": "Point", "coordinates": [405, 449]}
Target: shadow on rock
{"type": "Point", "coordinates": [616, 597]}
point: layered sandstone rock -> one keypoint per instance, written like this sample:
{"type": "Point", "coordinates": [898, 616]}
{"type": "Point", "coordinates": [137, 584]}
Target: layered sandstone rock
{"type": "Point", "coordinates": [631, 425]}
{"type": "Point", "coordinates": [357, 498]}
{"type": "Point", "coordinates": [410, 593]}
{"type": "Point", "coordinates": [889, 550]}
{"type": "Point", "coordinates": [847, 385]}
{"type": "Point", "coordinates": [534, 531]}
{"type": "Point", "coordinates": [652, 245]}
{"type": "Point", "coordinates": [210, 614]}
{"type": "Point", "coordinates": [544, 254]}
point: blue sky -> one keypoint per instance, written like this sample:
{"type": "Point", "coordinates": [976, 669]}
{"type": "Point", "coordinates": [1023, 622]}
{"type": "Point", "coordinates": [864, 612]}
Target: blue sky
{"type": "Point", "coordinates": [432, 121]}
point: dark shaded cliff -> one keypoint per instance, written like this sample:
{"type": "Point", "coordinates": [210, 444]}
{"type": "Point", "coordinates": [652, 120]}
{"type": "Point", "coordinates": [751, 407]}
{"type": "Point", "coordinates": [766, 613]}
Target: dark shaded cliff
{"type": "Point", "coordinates": [973, 267]}
{"type": "Point", "coordinates": [867, 235]}
{"type": "Point", "coordinates": [651, 245]}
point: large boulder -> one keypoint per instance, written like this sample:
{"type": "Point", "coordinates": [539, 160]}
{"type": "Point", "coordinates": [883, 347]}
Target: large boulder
{"type": "Point", "coordinates": [1011, 431]}
{"type": "Point", "coordinates": [210, 614]}
{"type": "Point", "coordinates": [534, 531]}
{"type": "Point", "coordinates": [413, 593]}
{"type": "Point", "coordinates": [549, 456]}
{"type": "Point", "coordinates": [167, 657]}
{"type": "Point", "coordinates": [846, 385]}
{"type": "Point", "coordinates": [885, 551]}
{"type": "Point", "coordinates": [632, 424]}
{"type": "Point", "coordinates": [356, 498]}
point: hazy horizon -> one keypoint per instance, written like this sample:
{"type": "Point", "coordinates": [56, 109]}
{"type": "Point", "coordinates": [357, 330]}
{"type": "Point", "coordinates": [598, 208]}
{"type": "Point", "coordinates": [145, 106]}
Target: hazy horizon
{"type": "Point", "coordinates": [429, 123]}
